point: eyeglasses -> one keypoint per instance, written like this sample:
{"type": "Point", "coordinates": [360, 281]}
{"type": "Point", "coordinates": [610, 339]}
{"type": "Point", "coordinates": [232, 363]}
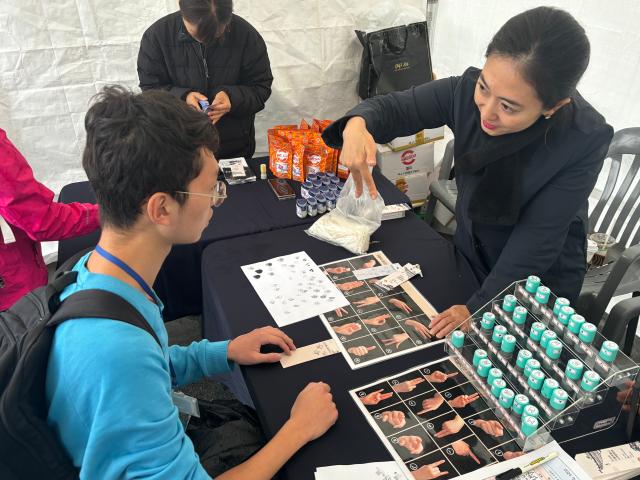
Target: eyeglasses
{"type": "Point", "coordinates": [217, 197]}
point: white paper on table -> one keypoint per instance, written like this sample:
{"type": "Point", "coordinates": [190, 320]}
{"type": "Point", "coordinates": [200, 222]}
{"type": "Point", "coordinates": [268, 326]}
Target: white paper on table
{"type": "Point", "coordinates": [621, 461]}
{"type": "Point", "coordinates": [375, 272]}
{"type": "Point", "coordinates": [563, 467]}
{"type": "Point", "coordinates": [310, 352]}
{"type": "Point", "coordinates": [369, 471]}
{"type": "Point", "coordinates": [293, 288]}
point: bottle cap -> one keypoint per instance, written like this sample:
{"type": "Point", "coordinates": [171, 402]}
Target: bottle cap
{"type": "Point", "coordinates": [542, 294]}
{"type": "Point", "coordinates": [575, 323]}
{"type": "Point", "coordinates": [499, 331]}
{"type": "Point", "coordinates": [537, 329]}
{"type": "Point", "coordinates": [608, 351]}
{"type": "Point", "coordinates": [536, 379]}
{"type": "Point", "coordinates": [509, 303]}
{"type": "Point", "coordinates": [484, 366]}
{"type": "Point", "coordinates": [590, 381]}
{"type": "Point", "coordinates": [548, 387]}
{"type": "Point", "coordinates": [554, 349]}
{"type": "Point", "coordinates": [519, 402]}
{"type": "Point", "coordinates": [506, 398]}
{"type": "Point", "coordinates": [565, 314]}
{"type": "Point", "coordinates": [523, 357]}
{"type": "Point", "coordinates": [478, 355]}
{"type": "Point", "coordinates": [497, 387]}
{"type": "Point", "coordinates": [519, 315]}
{"type": "Point", "coordinates": [560, 302]}
{"type": "Point", "coordinates": [508, 344]}
{"type": "Point", "coordinates": [530, 411]}
{"type": "Point", "coordinates": [574, 369]}
{"type": "Point", "coordinates": [494, 373]}
{"type": "Point", "coordinates": [559, 399]}
{"type": "Point", "coordinates": [533, 283]}
{"type": "Point", "coordinates": [531, 366]}
{"type": "Point", "coordinates": [587, 332]}
{"type": "Point", "coordinates": [488, 321]}
{"type": "Point", "coordinates": [529, 426]}
{"type": "Point", "coordinates": [546, 337]}
{"type": "Point", "coordinates": [457, 338]}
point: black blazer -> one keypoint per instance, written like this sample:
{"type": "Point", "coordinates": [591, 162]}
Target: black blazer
{"type": "Point", "coordinates": [171, 59]}
{"type": "Point", "coordinates": [549, 238]}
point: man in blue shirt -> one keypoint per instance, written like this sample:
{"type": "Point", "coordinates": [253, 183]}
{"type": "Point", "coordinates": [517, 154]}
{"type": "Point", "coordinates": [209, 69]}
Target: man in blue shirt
{"type": "Point", "coordinates": [149, 158]}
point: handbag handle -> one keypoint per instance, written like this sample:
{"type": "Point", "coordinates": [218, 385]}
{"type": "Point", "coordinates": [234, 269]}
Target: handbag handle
{"type": "Point", "coordinates": [390, 44]}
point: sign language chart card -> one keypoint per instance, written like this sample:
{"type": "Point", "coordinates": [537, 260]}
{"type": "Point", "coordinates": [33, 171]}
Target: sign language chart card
{"type": "Point", "coordinates": [376, 325]}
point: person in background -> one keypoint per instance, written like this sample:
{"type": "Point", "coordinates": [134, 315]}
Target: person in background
{"type": "Point", "coordinates": [528, 151]}
{"type": "Point", "coordinates": [205, 52]}
{"type": "Point", "coordinates": [28, 216]}
{"type": "Point", "coordinates": [150, 161]}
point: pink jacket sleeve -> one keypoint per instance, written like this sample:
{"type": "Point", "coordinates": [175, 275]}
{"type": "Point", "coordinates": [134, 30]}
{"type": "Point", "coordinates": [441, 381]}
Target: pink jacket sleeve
{"type": "Point", "coordinates": [28, 205]}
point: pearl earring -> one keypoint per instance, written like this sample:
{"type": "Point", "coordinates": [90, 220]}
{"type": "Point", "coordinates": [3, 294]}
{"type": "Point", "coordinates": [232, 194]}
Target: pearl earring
{"type": "Point", "coordinates": [547, 117]}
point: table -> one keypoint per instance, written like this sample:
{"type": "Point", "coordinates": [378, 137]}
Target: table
{"type": "Point", "coordinates": [231, 307]}
{"type": "Point", "coordinates": [250, 208]}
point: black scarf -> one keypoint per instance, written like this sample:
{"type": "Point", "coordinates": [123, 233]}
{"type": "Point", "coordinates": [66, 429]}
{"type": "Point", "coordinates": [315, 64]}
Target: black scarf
{"type": "Point", "coordinates": [500, 159]}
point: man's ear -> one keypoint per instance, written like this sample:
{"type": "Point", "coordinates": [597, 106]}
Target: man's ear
{"type": "Point", "coordinates": [160, 208]}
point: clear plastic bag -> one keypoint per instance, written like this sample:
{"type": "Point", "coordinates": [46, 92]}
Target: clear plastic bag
{"type": "Point", "coordinates": [353, 221]}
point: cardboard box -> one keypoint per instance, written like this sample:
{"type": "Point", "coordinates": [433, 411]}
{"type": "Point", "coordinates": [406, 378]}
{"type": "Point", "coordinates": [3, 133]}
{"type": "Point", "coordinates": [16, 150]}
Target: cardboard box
{"type": "Point", "coordinates": [411, 170]}
{"type": "Point", "coordinates": [420, 138]}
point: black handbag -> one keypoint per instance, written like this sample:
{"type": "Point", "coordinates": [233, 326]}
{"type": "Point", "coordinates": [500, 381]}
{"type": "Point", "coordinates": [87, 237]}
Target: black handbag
{"type": "Point", "coordinates": [394, 59]}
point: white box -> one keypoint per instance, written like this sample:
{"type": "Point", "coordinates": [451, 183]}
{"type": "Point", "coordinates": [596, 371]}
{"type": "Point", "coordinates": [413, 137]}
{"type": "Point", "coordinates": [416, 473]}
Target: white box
{"type": "Point", "coordinates": [411, 170]}
{"type": "Point", "coordinates": [420, 138]}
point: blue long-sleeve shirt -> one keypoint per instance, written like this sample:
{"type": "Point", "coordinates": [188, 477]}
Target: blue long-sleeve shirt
{"type": "Point", "coordinates": [108, 388]}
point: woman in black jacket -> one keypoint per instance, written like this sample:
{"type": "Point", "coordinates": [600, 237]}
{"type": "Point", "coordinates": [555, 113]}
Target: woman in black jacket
{"type": "Point", "coordinates": [528, 151]}
{"type": "Point", "coordinates": [205, 52]}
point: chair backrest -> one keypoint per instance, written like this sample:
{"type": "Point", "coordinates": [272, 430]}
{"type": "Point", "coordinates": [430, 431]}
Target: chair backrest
{"type": "Point", "coordinates": [447, 161]}
{"type": "Point", "coordinates": [76, 192]}
{"type": "Point", "coordinates": [616, 211]}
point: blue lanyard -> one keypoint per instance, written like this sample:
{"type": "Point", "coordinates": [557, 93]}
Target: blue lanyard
{"type": "Point", "coordinates": [130, 271]}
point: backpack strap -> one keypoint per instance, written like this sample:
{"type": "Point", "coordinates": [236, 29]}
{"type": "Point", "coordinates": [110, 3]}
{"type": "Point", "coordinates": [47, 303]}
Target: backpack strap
{"type": "Point", "coordinates": [96, 303]}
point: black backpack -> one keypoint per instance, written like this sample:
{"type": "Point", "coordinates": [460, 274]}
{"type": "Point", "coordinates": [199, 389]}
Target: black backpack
{"type": "Point", "coordinates": [29, 448]}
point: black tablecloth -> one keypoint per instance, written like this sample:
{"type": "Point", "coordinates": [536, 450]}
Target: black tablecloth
{"type": "Point", "coordinates": [250, 208]}
{"type": "Point", "coordinates": [231, 307]}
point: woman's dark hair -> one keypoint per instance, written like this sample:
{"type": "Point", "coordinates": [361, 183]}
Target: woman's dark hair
{"type": "Point", "coordinates": [141, 144]}
{"type": "Point", "coordinates": [551, 47]}
{"type": "Point", "coordinates": [210, 17]}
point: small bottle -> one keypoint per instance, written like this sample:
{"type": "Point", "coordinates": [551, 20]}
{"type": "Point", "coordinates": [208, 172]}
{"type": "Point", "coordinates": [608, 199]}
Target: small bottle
{"type": "Point", "coordinates": [533, 282]}
{"type": "Point", "coordinates": [314, 192]}
{"type": "Point", "coordinates": [499, 331]}
{"type": "Point", "coordinates": [508, 345]}
{"type": "Point", "coordinates": [478, 355]}
{"type": "Point", "coordinates": [312, 177]}
{"type": "Point", "coordinates": [606, 356]}
{"type": "Point", "coordinates": [523, 357]}
{"type": "Point", "coordinates": [553, 352]}
{"type": "Point", "coordinates": [519, 315]}
{"type": "Point", "coordinates": [560, 302]}
{"type": "Point", "coordinates": [529, 426]}
{"type": "Point", "coordinates": [497, 387]}
{"type": "Point", "coordinates": [457, 339]}
{"type": "Point", "coordinates": [305, 189]}
{"type": "Point", "coordinates": [506, 398]}
{"type": "Point", "coordinates": [330, 175]}
{"type": "Point", "coordinates": [487, 322]}
{"type": "Point", "coordinates": [317, 183]}
{"type": "Point", "coordinates": [322, 203]}
{"type": "Point", "coordinates": [301, 208]}
{"type": "Point", "coordinates": [546, 337]}
{"type": "Point", "coordinates": [531, 366]}
{"type": "Point", "coordinates": [519, 402]}
{"type": "Point", "coordinates": [335, 181]}
{"type": "Point", "coordinates": [588, 385]}
{"type": "Point", "coordinates": [494, 374]}
{"type": "Point", "coordinates": [263, 171]}
{"type": "Point", "coordinates": [587, 335]}
{"type": "Point", "coordinates": [530, 411]}
{"type": "Point", "coordinates": [536, 379]}
{"type": "Point", "coordinates": [565, 314]}
{"type": "Point", "coordinates": [572, 372]}
{"type": "Point", "coordinates": [575, 324]}
{"type": "Point", "coordinates": [542, 294]}
{"type": "Point", "coordinates": [334, 189]}
{"type": "Point", "coordinates": [559, 399]}
{"type": "Point", "coordinates": [509, 303]}
{"type": "Point", "coordinates": [312, 207]}
{"type": "Point", "coordinates": [331, 201]}
{"type": "Point", "coordinates": [548, 387]}
{"type": "Point", "coordinates": [484, 366]}
{"type": "Point", "coordinates": [326, 181]}
{"type": "Point", "coordinates": [537, 329]}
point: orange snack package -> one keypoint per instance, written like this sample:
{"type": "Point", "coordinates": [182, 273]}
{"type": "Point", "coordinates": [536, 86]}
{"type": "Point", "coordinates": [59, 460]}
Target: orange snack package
{"type": "Point", "coordinates": [297, 162]}
{"type": "Point", "coordinates": [304, 125]}
{"type": "Point", "coordinates": [280, 156]}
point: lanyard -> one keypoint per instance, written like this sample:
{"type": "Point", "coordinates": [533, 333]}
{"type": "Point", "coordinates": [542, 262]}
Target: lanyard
{"type": "Point", "coordinates": [130, 271]}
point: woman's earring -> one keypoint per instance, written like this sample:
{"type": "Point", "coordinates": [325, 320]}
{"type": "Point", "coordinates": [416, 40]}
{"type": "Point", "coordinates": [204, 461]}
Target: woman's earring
{"type": "Point", "coordinates": [547, 117]}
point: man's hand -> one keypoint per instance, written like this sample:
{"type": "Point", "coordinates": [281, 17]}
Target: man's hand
{"type": "Point", "coordinates": [400, 305]}
{"type": "Point", "coordinates": [377, 321]}
{"type": "Point", "coordinates": [360, 351]}
{"type": "Point", "coordinates": [340, 312]}
{"type": "Point", "coordinates": [395, 418]}
{"type": "Point", "coordinates": [220, 106]}
{"type": "Point", "coordinates": [314, 411]}
{"type": "Point", "coordinates": [440, 377]}
{"type": "Point", "coordinates": [447, 321]}
{"type": "Point", "coordinates": [462, 401]}
{"type": "Point", "coordinates": [366, 301]}
{"type": "Point", "coordinates": [338, 270]}
{"type": "Point", "coordinates": [490, 427]}
{"type": "Point", "coordinates": [419, 328]}
{"type": "Point", "coordinates": [429, 472]}
{"type": "Point", "coordinates": [408, 385]}
{"type": "Point", "coordinates": [245, 349]}
{"type": "Point", "coordinates": [413, 443]}
{"type": "Point", "coordinates": [463, 449]}
{"type": "Point", "coordinates": [347, 328]}
{"type": "Point", "coordinates": [431, 404]}
{"type": "Point", "coordinates": [346, 286]}
{"type": "Point", "coordinates": [375, 397]}
{"type": "Point", "coordinates": [193, 98]}
{"type": "Point", "coordinates": [396, 340]}
{"type": "Point", "coordinates": [358, 153]}
{"type": "Point", "coordinates": [450, 427]}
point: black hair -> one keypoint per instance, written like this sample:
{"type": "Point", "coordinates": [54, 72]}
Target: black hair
{"type": "Point", "coordinates": [551, 47]}
{"type": "Point", "coordinates": [141, 144]}
{"type": "Point", "coordinates": [210, 17]}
